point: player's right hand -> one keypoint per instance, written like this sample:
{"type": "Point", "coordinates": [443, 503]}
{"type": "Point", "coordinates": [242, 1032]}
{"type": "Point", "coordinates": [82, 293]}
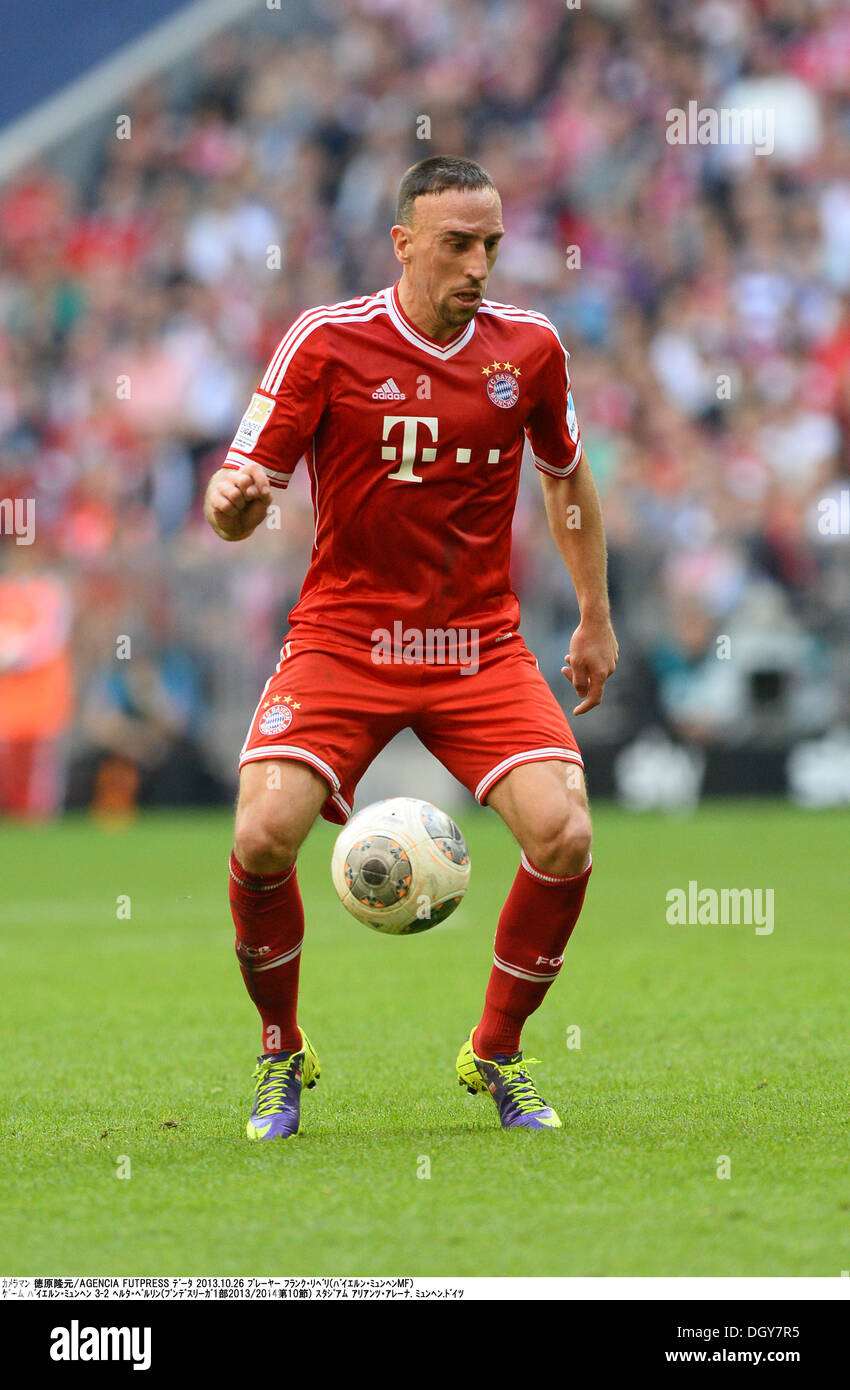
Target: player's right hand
{"type": "Point", "coordinates": [237, 501]}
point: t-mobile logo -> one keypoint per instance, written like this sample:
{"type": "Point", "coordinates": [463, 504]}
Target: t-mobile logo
{"type": "Point", "coordinates": [410, 452]}
{"type": "Point", "coordinates": [410, 432]}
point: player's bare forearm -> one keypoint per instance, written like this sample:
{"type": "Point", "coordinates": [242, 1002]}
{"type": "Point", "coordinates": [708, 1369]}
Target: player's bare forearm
{"type": "Point", "coordinates": [575, 520]}
{"type": "Point", "coordinates": [237, 500]}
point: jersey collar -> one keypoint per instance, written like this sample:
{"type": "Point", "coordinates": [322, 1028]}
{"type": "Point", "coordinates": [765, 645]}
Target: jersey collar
{"type": "Point", "coordinates": [402, 323]}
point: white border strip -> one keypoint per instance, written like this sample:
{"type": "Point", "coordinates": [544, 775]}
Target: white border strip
{"type": "Point", "coordinates": [299, 755]}
{"type": "Point", "coordinates": [535, 976]}
{"type": "Point", "coordinates": [236, 461]}
{"type": "Point", "coordinates": [340, 802]}
{"type": "Point", "coordinates": [273, 964]}
{"type": "Point", "coordinates": [545, 467]}
{"type": "Point", "coordinates": [533, 755]}
{"type": "Point", "coordinates": [295, 754]}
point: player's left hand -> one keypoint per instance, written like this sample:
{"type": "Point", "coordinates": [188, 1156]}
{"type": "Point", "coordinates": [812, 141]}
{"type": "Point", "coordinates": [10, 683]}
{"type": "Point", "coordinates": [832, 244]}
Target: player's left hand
{"type": "Point", "coordinates": [590, 661]}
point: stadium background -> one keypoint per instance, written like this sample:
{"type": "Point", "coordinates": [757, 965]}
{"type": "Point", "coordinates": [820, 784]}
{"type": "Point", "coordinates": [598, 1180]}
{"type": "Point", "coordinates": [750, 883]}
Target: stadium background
{"type": "Point", "coordinates": [148, 258]}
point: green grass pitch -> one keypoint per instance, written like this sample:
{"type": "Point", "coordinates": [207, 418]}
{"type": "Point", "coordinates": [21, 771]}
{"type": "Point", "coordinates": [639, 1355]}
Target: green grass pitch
{"type": "Point", "coordinates": [132, 1038]}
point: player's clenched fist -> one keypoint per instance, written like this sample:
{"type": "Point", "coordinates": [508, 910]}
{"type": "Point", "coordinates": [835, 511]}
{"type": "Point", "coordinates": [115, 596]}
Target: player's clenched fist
{"type": "Point", "coordinates": [237, 501]}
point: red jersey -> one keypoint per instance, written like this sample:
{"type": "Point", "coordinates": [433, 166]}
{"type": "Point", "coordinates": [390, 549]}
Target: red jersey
{"type": "Point", "coordinates": [414, 450]}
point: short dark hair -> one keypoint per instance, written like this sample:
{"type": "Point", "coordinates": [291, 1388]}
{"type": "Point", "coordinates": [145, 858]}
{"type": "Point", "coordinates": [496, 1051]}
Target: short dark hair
{"type": "Point", "coordinates": [434, 175]}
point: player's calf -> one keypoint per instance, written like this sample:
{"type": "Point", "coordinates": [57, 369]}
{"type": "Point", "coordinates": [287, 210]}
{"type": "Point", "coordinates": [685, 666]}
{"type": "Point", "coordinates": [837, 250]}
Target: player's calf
{"type": "Point", "coordinates": [550, 818]}
{"type": "Point", "coordinates": [278, 803]}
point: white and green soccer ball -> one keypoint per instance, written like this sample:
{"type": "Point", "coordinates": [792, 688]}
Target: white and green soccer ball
{"type": "Point", "coordinates": [400, 865]}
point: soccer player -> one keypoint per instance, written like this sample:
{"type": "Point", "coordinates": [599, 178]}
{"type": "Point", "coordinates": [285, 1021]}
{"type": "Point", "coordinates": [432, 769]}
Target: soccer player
{"type": "Point", "coordinates": [410, 408]}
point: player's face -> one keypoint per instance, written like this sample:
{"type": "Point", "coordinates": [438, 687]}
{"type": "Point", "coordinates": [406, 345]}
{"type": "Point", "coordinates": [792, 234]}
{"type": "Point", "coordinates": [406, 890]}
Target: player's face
{"type": "Point", "coordinates": [447, 254]}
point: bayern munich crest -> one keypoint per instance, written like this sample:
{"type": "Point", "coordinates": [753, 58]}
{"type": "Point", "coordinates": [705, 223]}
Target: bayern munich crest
{"type": "Point", "coordinates": [276, 719]}
{"type": "Point", "coordinates": [502, 384]}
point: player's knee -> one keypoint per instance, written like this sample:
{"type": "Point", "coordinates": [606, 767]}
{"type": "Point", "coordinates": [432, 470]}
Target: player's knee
{"type": "Point", "coordinates": [261, 846]}
{"type": "Point", "coordinates": [562, 847]}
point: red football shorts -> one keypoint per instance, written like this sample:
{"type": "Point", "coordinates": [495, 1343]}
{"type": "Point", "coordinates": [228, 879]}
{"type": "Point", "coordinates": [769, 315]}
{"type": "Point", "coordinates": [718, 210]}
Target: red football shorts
{"type": "Point", "coordinates": [336, 708]}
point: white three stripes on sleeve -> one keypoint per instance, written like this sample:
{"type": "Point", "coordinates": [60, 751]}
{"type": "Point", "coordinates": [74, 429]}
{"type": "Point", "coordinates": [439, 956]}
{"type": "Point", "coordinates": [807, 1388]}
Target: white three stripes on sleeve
{"type": "Point", "coordinates": [353, 311]}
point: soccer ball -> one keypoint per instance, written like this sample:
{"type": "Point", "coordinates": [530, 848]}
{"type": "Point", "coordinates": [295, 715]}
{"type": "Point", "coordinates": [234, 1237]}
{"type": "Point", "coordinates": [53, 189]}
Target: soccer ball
{"type": "Point", "coordinates": [400, 865]}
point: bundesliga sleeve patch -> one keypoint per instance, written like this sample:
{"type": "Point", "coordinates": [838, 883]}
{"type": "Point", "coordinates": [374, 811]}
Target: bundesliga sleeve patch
{"type": "Point", "coordinates": [572, 420]}
{"type": "Point", "coordinates": [254, 420]}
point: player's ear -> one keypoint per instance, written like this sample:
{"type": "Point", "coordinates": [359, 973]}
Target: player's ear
{"type": "Point", "coordinates": [401, 243]}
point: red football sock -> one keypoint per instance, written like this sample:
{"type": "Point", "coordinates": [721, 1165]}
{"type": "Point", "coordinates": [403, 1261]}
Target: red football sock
{"type": "Point", "coordinates": [269, 918]}
{"type": "Point", "coordinates": [534, 928]}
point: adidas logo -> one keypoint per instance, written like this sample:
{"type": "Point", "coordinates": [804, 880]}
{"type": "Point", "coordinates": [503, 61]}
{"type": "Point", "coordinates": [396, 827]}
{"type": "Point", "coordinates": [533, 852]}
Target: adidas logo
{"type": "Point", "coordinates": [388, 392]}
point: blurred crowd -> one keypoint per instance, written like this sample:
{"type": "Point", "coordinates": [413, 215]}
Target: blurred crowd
{"type": "Point", "coordinates": [703, 292]}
